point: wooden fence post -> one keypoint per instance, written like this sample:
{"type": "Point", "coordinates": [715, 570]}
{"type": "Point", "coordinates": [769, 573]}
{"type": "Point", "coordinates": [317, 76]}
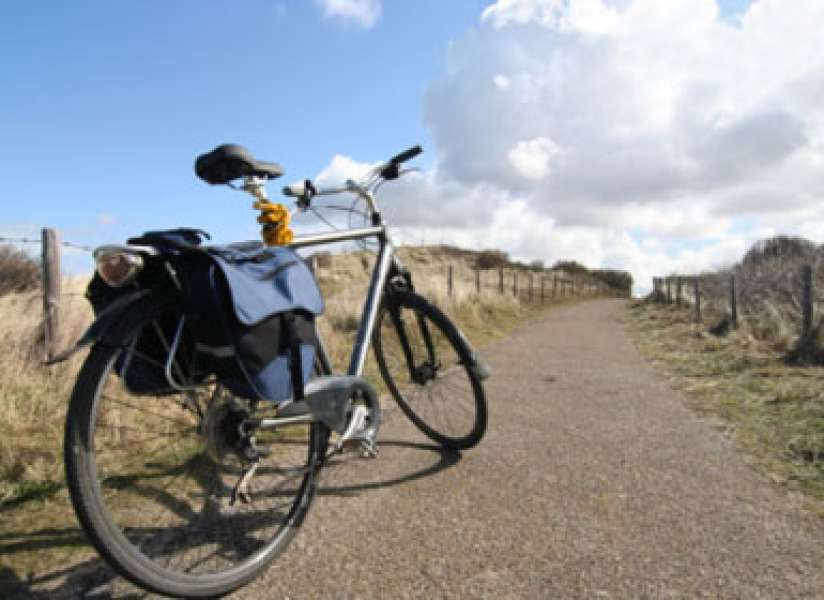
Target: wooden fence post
{"type": "Point", "coordinates": [696, 288]}
{"type": "Point", "coordinates": [515, 282]}
{"type": "Point", "coordinates": [449, 281]}
{"type": "Point", "coordinates": [733, 304]}
{"type": "Point", "coordinates": [51, 291]}
{"type": "Point", "coordinates": [501, 280]}
{"type": "Point", "coordinates": [543, 282]}
{"type": "Point", "coordinates": [678, 296]}
{"type": "Point", "coordinates": [478, 281]}
{"type": "Point", "coordinates": [669, 290]}
{"type": "Point", "coordinates": [554, 284]}
{"type": "Point", "coordinates": [530, 286]}
{"type": "Point", "coordinates": [806, 300]}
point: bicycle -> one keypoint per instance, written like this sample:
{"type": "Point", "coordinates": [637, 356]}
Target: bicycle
{"type": "Point", "coordinates": [193, 492]}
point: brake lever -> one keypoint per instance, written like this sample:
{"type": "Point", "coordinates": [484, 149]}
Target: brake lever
{"type": "Point", "coordinates": [304, 201]}
{"type": "Point", "coordinates": [390, 171]}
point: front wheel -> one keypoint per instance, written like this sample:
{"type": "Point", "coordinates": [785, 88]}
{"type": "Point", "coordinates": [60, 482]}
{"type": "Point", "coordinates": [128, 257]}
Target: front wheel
{"type": "Point", "coordinates": [429, 370]}
{"type": "Point", "coordinates": [151, 477]}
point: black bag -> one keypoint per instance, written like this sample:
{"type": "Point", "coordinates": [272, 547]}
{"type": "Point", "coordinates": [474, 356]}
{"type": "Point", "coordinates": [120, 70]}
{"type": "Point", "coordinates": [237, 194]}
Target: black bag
{"type": "Point", "coordinates": [142, 368]}
{"type": "Point", "coordinates": [249, 311]}
{"type": "Point", "coordinates": [252, 312]}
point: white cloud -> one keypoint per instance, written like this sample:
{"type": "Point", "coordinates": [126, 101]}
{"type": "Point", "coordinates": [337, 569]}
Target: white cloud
{"type": "Point", "coordinates": [340, 169]}
{"type": "Point", "coordinates": [531, 158]}
{"type": "Point", "coordinates": [501, 81]}
{"type": "Point", "coordinates": [364, 13]}
{"type": "Point", "coordinates": [684, 136]}
{"type": "Point", "coordinates": [639, 134]}
{"type": "Point", "coordinates": [591, 16]}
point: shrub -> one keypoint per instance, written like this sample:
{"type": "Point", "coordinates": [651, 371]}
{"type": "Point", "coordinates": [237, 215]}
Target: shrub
{"type": "Point", "coordinates": [19, 270]}
{"type": "Point", "coordinates": [492, 259]}
{"type": "Point", "coordinates": [619, 280]}
{"type": "Point", "coordinates": [778, 249]}
{"type": "Point", "coordinates": [570, 266]}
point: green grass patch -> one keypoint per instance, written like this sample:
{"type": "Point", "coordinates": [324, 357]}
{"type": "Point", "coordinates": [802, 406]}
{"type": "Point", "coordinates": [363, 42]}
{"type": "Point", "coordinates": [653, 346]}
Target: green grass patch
{"type": "Point", "coordinates": [773, 412]}
{"type": "Point", "coordinates": [16, 494]}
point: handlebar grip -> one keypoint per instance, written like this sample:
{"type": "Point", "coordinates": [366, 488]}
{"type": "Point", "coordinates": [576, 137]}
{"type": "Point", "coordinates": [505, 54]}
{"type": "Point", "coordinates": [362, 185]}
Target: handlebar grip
{"type": "Point", "coordinates": [296, 190]}
{"type": "Point", "coordinates": [406, 155]}
{"type": "Point", "coordinates": [304, 189]}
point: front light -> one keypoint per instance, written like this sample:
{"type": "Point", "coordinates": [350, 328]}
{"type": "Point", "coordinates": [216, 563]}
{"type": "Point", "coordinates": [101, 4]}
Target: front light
{"type": "Point", "coordinates": [117, 265]}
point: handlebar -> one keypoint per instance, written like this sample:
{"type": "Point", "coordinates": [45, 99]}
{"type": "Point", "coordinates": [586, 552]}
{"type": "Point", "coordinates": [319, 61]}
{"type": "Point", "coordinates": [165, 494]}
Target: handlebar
{"type": "Point", "coordinates": [305, 191]}
{"type": "Point", "coordinates": [406, 155]}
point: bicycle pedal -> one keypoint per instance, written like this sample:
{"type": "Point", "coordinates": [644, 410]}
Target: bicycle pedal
{"type": "Point", "coordinates": [355, 428]}
{"type": "Point", "coordinates": [241, 489]}
{"type": "Point", "coordinates": [369, 449]}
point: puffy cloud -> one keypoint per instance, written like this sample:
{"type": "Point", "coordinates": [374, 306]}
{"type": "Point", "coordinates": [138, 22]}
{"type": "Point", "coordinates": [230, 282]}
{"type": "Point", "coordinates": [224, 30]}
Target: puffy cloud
{"type": "Point", "coordinates": [655, 132]}
{"type": "Point", "coordinates": [364, 13]}
{"type": "Point", "coordinates": [593, 16]}
{"type": "Point", "coordinates": [340, 169]}
{"type": "Point", "coordinates": [531, 158]}
{"type": "Point", "coordinates": [640, 134]}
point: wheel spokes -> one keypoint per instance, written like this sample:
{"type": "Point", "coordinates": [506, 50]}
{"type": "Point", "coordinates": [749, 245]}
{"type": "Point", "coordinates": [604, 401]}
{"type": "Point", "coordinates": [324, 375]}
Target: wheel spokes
{"type": "Point", "coordinates": [171, 500]}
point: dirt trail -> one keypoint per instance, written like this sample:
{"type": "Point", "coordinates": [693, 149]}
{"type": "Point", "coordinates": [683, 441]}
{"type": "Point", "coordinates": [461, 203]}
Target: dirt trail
{"type": "Point", "coordinates": [594, 481]}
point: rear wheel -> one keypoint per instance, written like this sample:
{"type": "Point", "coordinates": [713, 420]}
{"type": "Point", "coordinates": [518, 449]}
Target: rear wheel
{"type": "Point", "coordinates": [152, 477]}
{"type": "Point", "coordinates": [427, 367]}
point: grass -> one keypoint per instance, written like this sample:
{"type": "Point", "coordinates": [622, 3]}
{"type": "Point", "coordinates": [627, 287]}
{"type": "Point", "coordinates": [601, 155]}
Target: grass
{"type": "Point", "coordinates": [38, 529]}
{"type": "Point", "coordinates": [774, 412]}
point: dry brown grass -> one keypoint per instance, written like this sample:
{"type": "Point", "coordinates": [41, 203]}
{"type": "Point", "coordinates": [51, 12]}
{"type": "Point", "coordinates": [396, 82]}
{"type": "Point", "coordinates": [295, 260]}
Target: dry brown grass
{"type": "Point", "coordinates": [19, 270]}
{"type": "Point", "coordinates": [32, 397]}
{"type": "Point", "coordinates": [774, 412]}
{"type": "Point", "coordinates": [768, 292]}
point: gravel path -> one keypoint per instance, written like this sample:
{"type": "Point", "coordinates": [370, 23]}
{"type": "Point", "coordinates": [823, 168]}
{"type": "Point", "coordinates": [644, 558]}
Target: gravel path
{"type": "Point", "coordinates": [594, 481]}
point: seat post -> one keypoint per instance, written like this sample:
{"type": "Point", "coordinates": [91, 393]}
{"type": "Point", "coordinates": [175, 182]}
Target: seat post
{"type": "Point", "coordinates": [256, 186]}
{"type": "Point", "coordinates": [274, 218]}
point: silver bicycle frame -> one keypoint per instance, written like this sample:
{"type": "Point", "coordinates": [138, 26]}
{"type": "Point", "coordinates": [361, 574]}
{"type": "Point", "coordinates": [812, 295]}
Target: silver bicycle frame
{"type": "Point", "coordinates": [380, 272]}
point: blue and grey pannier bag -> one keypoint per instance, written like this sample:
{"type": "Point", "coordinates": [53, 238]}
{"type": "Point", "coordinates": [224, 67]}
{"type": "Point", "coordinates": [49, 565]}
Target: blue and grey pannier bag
{"type": "Point", "coordinates": [252, 313]}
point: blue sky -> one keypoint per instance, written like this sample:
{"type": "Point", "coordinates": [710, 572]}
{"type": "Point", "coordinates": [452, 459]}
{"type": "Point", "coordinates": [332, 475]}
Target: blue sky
{"type": "Point", "coordinates": [104, 110]}
{"type": "Point", "coordinates": [652, 136]}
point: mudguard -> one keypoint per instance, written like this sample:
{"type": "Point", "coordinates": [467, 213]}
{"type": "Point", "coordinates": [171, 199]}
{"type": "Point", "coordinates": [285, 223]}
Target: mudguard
{"type": "Point", "coordinates": [476, 364]}
{"type": "Point", "coordinates": [104, 321]}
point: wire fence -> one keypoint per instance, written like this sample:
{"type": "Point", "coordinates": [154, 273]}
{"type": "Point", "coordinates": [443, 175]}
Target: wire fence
{"type": "Point", "coordinates": [59, 294]}
{"type": "Point", "coordinates": [453, 282]}
{"type": "Point", "coordinates": [23, 240]}
{"type": "Point", "coordinates": [720, 301]}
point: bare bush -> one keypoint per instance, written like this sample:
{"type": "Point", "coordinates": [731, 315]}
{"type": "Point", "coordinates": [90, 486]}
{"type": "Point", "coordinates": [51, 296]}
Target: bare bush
{"type": "Point", "coordinates": [492, 259]}
{"type": "Point", "coordinates": [767, 291]}
{"type": "Point", "coordinates": [19, 271]}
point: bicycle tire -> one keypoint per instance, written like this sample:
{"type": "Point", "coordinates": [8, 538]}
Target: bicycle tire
{"type": "Point", "coordinates": [411, 394]}
{"type": "Point", "coordinates": [110, 504]}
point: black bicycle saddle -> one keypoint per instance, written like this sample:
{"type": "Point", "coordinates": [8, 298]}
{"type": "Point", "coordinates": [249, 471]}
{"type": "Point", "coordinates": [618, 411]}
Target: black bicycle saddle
{"type": "Point", "coordinates": [230, 161]}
